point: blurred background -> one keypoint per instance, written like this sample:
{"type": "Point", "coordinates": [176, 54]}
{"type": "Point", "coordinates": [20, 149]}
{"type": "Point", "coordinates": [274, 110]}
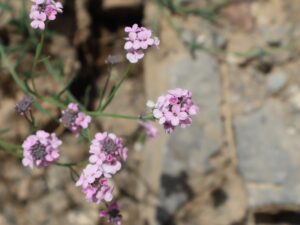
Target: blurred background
{"type": "Point", "coordinates": [238, 164]}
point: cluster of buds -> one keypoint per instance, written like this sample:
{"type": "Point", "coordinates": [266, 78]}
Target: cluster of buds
{"type": "Point", "coordinates": [73, 119]}
{"type": "Point", "coordinates": [112, 213]}
{"type": "Point", "coordinates": [24, 106]}
{"type": "Point", "coordinates": [138, 40]}
{"type": "Point", "coordinates": [106, 153]}
{"type": "Point", "coordinates": [43, 10]}
{"type": "Point", "coordinates": [174, 109]}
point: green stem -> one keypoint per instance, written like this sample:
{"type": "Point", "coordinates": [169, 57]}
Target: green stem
{"type": "Point", "coordinates": [82, 162]}
{"type": "Point", "coordinates": [37, 55]}
{"type": "Point", "coordinates": [103, 92]}
{"type": "Point", "coordinates": [119, 116]}
{"type": "Point", "coordinates": [112, 95]}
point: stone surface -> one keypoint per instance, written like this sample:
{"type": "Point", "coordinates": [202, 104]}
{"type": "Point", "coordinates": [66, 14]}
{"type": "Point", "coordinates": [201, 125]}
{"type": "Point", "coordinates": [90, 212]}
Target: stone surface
{"type": "Point", "coordinates": [268, 156]}
{"type": "Point", "coordinates": [57, 176]}
{"type": "Point", "coordinates": [186, 158]}
{"type": "Point", "coordinates": [276, 82]}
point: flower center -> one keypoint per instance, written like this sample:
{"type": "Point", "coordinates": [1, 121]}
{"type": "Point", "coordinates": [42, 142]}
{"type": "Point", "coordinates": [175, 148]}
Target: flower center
{"type": "Point", "coordinates": [38, 151]}
{"type": "Point", "coordinates": [68, 118]}
{"type": "Point", "coordinates": [114, 213]}
{"type": "Point", "coordinates": [42, 7]}
{"type": "Point", "coordinates": [109, 145]}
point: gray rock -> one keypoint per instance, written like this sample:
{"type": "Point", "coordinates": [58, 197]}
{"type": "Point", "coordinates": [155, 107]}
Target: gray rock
{"type": "Point", "coordinates": [187, 152]}
{"type": "Point", "coordinates": [276, 35]}
{"type": "Point", "coordinates": [83, 217]}
{"type": "Point", "coordinates": [23, 191]}
{"type": "Point", "coordinates": [276, 82]}
{"type": "Point", "coordinates": [53, 204]}
{"type": "Point", "coordinates": [38, 187]}
{"type": "Point", "coordinates": [57, 177]}
{"type": "Point", "coordinates": [190, 148]}
{"type": "Point", "coordinates": [57, 201]}
{"type": "Point", "coordinates": [3, 220]}
{"type": "Point", "coordinates": [268, 156]}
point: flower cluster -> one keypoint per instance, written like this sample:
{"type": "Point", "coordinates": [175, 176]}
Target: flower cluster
{"type": "Point", "coordinates": [112, 214]}
{"type": "Point", "coordinates": [40, 149]}
{"type": "Point", "coordinates": [106, 152]}
{"type": "Point", "coordinates": [138, 40]}
{"type": "Point", "coordinates": [43, 10]}
{"type": "Point", "coordinates": [73, 119]}
{"type": "Point", "coordinates": [174, 109]}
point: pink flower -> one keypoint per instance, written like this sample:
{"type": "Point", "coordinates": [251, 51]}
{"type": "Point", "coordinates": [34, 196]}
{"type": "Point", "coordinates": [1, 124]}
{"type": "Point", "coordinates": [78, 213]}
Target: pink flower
{"type": "Point", "coordinates": [135, 28]}
{"type": "Point", "coordinates": [98, 191]}
{"type": "Point", "coordinates": [106, 152]}
{"type": "Point", "coordinates": [73, 119]}
{"type": "Point", "coordinates": [41, 10]}
{"type": "Point", "coordinates": [107, 149]}
{"type": "Point", "coordinates": [112, 213]}
{"type": "Point", "coordinates": [89, 175]}
{"type": "Point", "coordinates": [38, 20]}
{"type": "Point", "coordinates": [40, 149]}
{"type": "Point", "coordinates": [151, 131]}
{"type": "Point", "coordinates": [174, 109]}
{"type": "Point", "coordinates": [138, 40]}
{"type": "Point", "coordinates": [134, 56]}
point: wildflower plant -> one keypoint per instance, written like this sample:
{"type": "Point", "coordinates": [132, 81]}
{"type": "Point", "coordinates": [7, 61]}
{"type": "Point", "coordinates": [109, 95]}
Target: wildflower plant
{"type": "Point", "coordinates": [108, 152]}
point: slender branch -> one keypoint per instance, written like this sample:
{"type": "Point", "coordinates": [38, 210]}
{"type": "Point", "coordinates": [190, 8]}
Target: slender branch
{"type": "Point", "coordinates": [82, 162]}
{"type": "Point", "coordinates": [38, 51]}
{"type": "Point", "coordinates": [103, 92]}
{"type": "Point", "coordinates": [120, 116]}
{"type": "Point", "coordinates": [112, 95]}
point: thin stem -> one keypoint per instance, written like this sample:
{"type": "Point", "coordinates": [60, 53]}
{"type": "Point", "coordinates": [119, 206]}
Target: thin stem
{"type": "Point", "coordinates": [88, 135]}
{"type": "Point", "coordinates": [102, 94]}
{"type": "Point", "coordinates": [111, 96]}
{"type": "Point", "coordinates": [38, 51]}
{"type": "Point", "coordinates": [32, 118]}
{"type": "Point", "coordinates": [120, 116]}
{"type": "Point", "coordinates": [82, 162]}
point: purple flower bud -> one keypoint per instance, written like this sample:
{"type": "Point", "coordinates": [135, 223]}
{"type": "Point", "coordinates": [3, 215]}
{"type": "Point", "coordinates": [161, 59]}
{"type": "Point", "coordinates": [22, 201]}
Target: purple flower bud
{"type": "Point", "coordinates": [112, 213]}
{"type": "Point", "coordinates": [24, 105]}
{"type": "Point", "coordinates": [73, 119]}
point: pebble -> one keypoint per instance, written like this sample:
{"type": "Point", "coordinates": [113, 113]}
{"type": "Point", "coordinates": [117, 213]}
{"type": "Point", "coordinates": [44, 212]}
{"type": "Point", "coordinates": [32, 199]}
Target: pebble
{"type": "Point", "coordinates": [276, 83]}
